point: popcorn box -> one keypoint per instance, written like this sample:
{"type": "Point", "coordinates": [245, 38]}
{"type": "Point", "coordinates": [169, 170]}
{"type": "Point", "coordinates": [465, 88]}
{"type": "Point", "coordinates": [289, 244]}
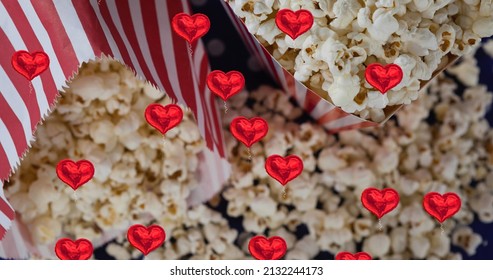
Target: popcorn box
{"type": "Point", "coordinates": [136, 33]}
{"type": "Point", "coordinates": [325, 113]}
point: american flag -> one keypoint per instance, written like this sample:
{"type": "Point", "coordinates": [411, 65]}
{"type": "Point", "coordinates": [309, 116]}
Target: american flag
{"type": "Point", "coordinates": [134, 32]}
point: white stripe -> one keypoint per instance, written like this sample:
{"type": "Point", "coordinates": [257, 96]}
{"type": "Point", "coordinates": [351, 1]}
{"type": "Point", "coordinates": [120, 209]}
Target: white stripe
{"type": "Point", "coordinates": [342, 122]}
{"type": "Point", "coordinates": [2, 252]}
{"type": "Point", "coordinates": [186, 8]}
{"type": "Point", "coordinates": [17, 105]}
{"type": "Point", "coordinates": [320, 109]}
{"type": "Point", "coordinates": [22, 249]}
{"type": "Point", "coordinates": [109, 37]}
{"type": "Point", "coordinates": [138, 23]}
{"type": "Point", "coordinates": [44, 40]}
{"type": "Point", "coordinates": [116, 20]}
{"type": "Point", "coordinates": [74, 30]}
{"type": "Point", "coordinates": [198, 55]}
{"type": "Point", "coordinates": [200, 117]}
{"type": "Point", "coordinates": [2, 194]}
{"type": "Point", "coordinates": [167, 47]}
{"type": "Point", "coordinates": [301, 92]}
{"type": "Point", "coordinates": [8, 145]}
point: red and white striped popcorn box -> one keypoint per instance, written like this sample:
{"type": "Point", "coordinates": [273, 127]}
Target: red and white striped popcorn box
{"type": "Point", "coordinates": [331, 117]}
{"type": "Point", "coordinates": [135, 32]}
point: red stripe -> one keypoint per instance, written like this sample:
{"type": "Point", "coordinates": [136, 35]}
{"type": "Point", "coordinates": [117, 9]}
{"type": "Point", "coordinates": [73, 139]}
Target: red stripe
{"type": "Point", "coordinates": [2, 233]}
{"type": "Point", "coordinates": [32, 43]}
{"type": "Point", "coordinates": [215, 122]}
{"type": "Point", "coordinates": [20, 83]}
{"type": "Point", "coordinates": [153, 38]}
{"type": "Point", "coordinates": [184, 70]}
{"type": "Point", "coordinates": [125, 57]}
{"type": "Point", "coordinates": [6, 209]}
{"type": "Point", "coordinates": [311, 100]}
{"type": "Point", "coordinates": [129, 29]}
{"type": "Point", "coordinates": [64, 51]}
{"type": "Point", "coordinates": [92, 28]}
{"type": "Point", "coordinates": [4, 165]}
{"type": "Point", "coordinates": [14, 126]}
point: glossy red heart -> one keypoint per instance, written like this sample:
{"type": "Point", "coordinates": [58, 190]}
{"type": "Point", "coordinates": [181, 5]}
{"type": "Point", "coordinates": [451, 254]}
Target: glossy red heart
{"type": "Point", "coordinates": [75, 174]}
{"type": "Point", "coordinates": [30, 65]}
{"type": "Point", "coordinates": [357, 256]}
{"type": "Point", "coordinates": [294, 23]}
{"type": "Point", "coordinates": [380, 202]}
{"type": "Point", "coordinates": [146, 239]}
{"type": "Point", "coordinates": [190, 27]}
{"type": "Point", "coordinates": [249, 131]}
{"type": "Point", "coordinates": [273, 248]}
{"type": "Point", "coordinates": [284, 169]}
{"type": "Point", "coordinates": [225, 85]}
{"type": "Point", "coordinates": [163, 118]}
{"type": "Point", "coordinates": [67, 249]}
{"type": "Point", "coordinates": [441, 207]}
{"type": "Point", "coordinates": [383, 78]}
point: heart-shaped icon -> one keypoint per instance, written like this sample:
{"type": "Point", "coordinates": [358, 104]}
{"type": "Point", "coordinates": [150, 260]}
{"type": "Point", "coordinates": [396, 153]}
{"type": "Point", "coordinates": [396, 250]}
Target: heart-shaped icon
{"type": "Point", "coordinates": [225, 85]}
{"type": "Point", "coordinates": [358, 256]}
{"type": "Point", "coordinates": [294, 23]}
{"type": "Point", "coordinates": [75, 174]}
{"type": "Point", "coordinates": [385, 77]}
{"type": "Point", "coordinates": [380, 202]}
{"type": "Point", "coordinates": [163, 118]}
{"type": "Point", "coordinates": [67, 249]}
{"type": "Point", "coordinates": [30, 65]}
{"type": "Point", "coordinates": [146, 239]}
{"type": "Point", "coordinates": [441, 207]}
{"type": "Point", "coordinates": [190, 27]}
{"type": "Point", "coordinates": [284, 169]}
{"type": "Point", "coordinates": [249, 131]}
{"type": "Point", "coordinates": [263, 248]}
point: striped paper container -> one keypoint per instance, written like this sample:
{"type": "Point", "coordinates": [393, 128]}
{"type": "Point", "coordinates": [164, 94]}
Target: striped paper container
{"type": "Point", "coordinates": [331, 117]}
{"type": "Point", "coordinates": [135, 32]}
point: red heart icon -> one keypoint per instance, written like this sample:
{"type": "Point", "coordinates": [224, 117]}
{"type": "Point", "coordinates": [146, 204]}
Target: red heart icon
{"type": "Point", "coordinates": [30, 65]}
{"type": "Point", "coordinates": [189, 27]}
{"type": "Point", "coordinates": [225, 85]}
{"type": "Point", "coordinates": [163, 118]}
{"type": "Point", "coordinates": [80, 249]}
{"type": "Point", "coordinates": [441, 207]}
{"type": "Point", "coordinates": [262, 248]}
{"type": "Point", "coordinates": [358, 256]}
{"type": "Point", "coordinates": [283, 169]}
{"type": "Point", "coordinates": [380, 202]}
{"type": "Point", "coordinates": [75, 174]}
{"type": "Point", "coordinates": [294, 23]}
{"type": "Point", "coordinates": [249, 131]}
{"type": "Point", "coordinates": [146, 239]}
{"type": "Point", "coordinates": [383, 78]}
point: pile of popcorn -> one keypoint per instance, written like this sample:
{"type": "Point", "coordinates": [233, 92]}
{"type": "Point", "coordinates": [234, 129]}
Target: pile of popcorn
{"type": "Point", "coordinates": [421, 36]}
{"type": "Point", "coordinates": [141, 180]}
{"type": "Point", "coordinates": [139, 175]}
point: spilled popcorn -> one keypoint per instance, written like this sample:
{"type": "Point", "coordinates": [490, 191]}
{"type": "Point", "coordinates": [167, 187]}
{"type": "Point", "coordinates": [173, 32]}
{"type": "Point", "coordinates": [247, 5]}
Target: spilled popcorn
{"type": "Point", "coordinates": [420, 36]}
{"type": "Point", "coordinates": [141, 180]}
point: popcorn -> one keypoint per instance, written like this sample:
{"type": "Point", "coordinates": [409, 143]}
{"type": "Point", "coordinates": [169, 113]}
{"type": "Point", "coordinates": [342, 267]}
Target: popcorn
{"type": "Point", "coordinates": [377, 245]}
{"type": "Point", "coordinates": [151, 182]}
{"type": "Point", "coordinates": [421, 36]}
